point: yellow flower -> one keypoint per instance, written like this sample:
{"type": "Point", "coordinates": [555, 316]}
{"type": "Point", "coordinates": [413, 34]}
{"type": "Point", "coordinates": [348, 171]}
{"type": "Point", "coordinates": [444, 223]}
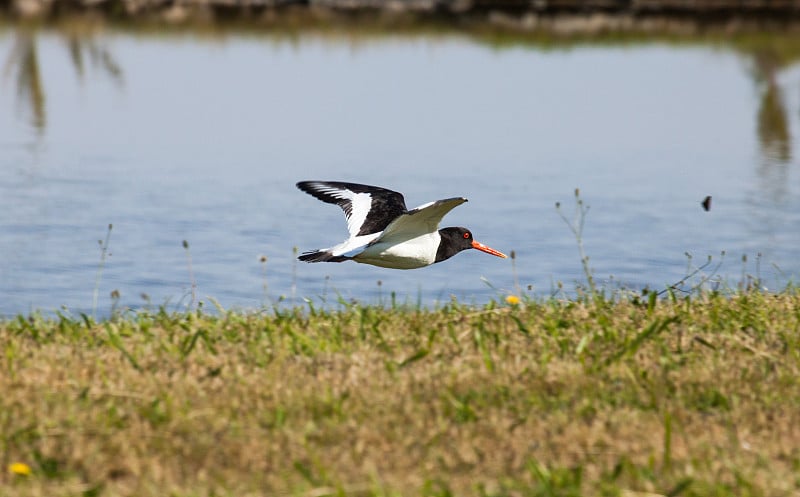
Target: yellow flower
{"type": "Point", "coordinates": [19, 468]}
{"type": "Point", "coordinates": [512, 300]}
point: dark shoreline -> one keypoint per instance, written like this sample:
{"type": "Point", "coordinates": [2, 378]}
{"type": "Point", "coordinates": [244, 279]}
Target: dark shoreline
{"type": "Point", "coordinates": [567, 17]}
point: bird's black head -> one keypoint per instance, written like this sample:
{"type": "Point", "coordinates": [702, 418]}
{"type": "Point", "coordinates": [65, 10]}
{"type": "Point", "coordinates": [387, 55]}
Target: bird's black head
{"type": "Point", "coordinates": [454, 240]}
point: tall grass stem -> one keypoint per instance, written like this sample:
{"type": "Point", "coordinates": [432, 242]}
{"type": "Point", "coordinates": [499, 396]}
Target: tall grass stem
{"type": "Point", "coordinates": [191, 274]}
{"type": "Point", "coordinates": [576, 226]}
{"type": "Point", "coordinates": [100, 266]}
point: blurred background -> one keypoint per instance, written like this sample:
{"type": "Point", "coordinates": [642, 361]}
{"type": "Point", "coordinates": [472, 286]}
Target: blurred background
{"type": "Point", "coordinates": [149, 149]}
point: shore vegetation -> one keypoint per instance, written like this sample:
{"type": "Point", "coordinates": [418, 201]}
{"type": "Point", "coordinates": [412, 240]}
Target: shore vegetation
{"type": "Point", "coordinates": [633, 395]}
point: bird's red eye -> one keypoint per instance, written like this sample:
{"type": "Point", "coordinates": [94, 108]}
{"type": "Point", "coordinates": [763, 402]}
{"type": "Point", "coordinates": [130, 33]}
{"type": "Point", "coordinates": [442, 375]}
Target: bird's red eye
{"type": "Point", "coordinates": [466, 235]}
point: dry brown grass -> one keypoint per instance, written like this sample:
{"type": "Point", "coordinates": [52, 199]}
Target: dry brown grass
{"type": "Point", "coordinates": [697, 397]}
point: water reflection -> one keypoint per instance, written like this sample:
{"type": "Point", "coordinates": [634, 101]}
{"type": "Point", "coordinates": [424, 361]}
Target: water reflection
{"type": "Point", "coordinates": [773, 127]}
{"type": "Point", "coordinates": [23, 59]}
{"type": "Point", "coordinates": [773, 124]}
{"type": "Point", "coordinates": [82, 48]}
{"type": "Point", "coordinates": [86, 48]}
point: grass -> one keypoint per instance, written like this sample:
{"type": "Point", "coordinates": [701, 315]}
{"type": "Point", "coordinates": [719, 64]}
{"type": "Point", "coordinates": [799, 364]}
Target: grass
{"type": "Point", "coordinates": [692, 396]}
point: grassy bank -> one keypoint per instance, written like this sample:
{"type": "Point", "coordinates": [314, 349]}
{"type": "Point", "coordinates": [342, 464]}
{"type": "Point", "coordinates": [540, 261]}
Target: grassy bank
{"type": "Point", "coordinates": [669, 397]}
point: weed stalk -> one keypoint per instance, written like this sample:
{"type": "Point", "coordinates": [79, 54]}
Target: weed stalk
{"type": "Point", "coordinates": [294, 273]}
{"type": "Point", "coordinates": [517, 288]}
{"type": "Point", "coordinates": [100, 266]}
{"type": "Point", "coordinates": [191, 274]}
{"type": "Point", "coordinates": [576, 226]}
{"type": "Point", "coordinates": [264, 288]}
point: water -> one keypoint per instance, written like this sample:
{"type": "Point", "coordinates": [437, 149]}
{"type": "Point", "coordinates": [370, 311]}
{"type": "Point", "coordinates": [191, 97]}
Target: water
{"type": "Point", "coordinates": [183, 137]}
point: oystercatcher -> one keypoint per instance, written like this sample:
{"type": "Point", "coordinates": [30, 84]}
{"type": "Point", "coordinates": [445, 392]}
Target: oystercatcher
{"type": "Point", "coordinates": [384, 233]}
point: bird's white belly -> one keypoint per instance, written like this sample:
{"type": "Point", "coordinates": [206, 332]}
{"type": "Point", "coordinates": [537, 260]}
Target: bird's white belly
{"type": "Point", "coordinates": [410, 254]}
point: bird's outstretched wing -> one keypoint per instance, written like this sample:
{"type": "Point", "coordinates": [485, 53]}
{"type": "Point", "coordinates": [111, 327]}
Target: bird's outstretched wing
{"type": "Point", "coordinates": [423, 220]}
{"type": "Point", "coordinates": [369, 209]}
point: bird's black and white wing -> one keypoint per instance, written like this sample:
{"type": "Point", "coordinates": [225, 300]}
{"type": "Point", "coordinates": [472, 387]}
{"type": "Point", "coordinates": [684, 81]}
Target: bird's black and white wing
{"type": "Point", "coordinates": [369, 209]}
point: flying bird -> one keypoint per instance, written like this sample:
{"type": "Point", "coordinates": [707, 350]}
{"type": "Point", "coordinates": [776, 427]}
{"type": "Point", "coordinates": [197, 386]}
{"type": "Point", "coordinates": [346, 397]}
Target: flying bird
{"type": "Point", "coordinates": [384, 233]}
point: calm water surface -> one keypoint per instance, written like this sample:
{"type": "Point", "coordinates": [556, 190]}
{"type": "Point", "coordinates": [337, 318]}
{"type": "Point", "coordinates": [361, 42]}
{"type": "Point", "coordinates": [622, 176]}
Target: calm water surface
{"type": "Point", "coordinates": [174, 138]}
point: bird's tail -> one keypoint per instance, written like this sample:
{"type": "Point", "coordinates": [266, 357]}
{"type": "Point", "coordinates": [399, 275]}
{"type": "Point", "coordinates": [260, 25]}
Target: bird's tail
{"type": "Point", "coordinates": [322, 256]}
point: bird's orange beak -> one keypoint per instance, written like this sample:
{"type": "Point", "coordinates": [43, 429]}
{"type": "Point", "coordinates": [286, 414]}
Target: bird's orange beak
{"type": "Point", "coordinates": [488, 250]}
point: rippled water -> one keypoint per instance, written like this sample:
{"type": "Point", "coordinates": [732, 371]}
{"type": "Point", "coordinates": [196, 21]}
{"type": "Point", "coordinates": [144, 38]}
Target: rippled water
{"type": "Point", "coordinates": [182, 137]}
